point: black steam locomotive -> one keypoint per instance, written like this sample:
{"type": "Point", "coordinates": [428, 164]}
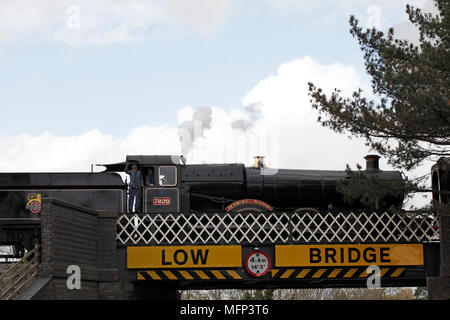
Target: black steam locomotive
{"type": "Point", "coordinates": [181, 188]}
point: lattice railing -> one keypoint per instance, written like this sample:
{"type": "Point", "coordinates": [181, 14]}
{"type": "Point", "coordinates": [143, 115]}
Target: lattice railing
{"type": "Point", "coordinates": [262, 228]}
{"type": "Point", "coordinates": [20, 274]}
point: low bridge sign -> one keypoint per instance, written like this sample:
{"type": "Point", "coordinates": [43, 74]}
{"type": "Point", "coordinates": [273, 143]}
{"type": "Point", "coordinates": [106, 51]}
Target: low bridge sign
{"type": "Point", "coordinates": [274, 253]}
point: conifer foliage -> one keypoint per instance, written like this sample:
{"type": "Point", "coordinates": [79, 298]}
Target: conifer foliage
{"type": "Point", "coordinates": [409, 120]}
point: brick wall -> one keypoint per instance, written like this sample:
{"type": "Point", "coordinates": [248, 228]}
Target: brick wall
{"type": "Point", "coordinates": [439, 287]}
{"type": "Point", "coordinates": [73, 235]}
{"type": "Point", "coordinates": [445, 245]}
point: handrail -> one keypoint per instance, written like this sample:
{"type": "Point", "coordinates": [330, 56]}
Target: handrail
{"type": "Point", "coordinates": [20, 274]}
{"type": "Point", "coordinates": [275, 228]}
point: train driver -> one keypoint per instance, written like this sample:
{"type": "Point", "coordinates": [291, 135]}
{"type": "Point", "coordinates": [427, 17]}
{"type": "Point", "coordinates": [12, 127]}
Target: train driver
{"type": "Point", "coordinates": [149, 181]}
{"type": "Point", "coordinates": [136, 185]}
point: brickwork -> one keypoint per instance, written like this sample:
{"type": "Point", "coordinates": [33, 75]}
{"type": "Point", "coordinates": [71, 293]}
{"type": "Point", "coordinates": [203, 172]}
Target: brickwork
{"type": "Point", "coordinates": [439, 287]}
{"type": "Point", "coordinates": [445, 245]}
{"type": "Point", "coordinates": [73, 235]}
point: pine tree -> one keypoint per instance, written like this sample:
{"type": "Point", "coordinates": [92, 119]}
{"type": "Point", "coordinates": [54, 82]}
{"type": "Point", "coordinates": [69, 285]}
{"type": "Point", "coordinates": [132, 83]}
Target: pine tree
{"type": "Point", "coordinates": [409, 121]}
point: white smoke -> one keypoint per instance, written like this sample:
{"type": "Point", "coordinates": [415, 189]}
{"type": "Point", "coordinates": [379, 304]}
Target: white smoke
{"type": "Point", "coordinates": [281, 126]}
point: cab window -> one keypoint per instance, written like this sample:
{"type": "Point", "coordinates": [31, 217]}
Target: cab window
{"type": "Point", "coordinates": [149, 176]}
{"type": "Point", "coordinates": [167, 176]}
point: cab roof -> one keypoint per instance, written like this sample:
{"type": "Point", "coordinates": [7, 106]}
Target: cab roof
{"type": "Point", "coordinates": [143, 160]}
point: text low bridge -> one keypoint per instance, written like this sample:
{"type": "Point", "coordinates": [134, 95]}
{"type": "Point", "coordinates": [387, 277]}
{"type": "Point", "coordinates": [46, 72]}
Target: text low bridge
{"type": "Point", "coordinates": [304, 249]}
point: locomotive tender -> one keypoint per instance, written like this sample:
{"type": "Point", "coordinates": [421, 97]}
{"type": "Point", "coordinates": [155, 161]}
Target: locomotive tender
{"type": "Point", "coordinates": [181, 188]}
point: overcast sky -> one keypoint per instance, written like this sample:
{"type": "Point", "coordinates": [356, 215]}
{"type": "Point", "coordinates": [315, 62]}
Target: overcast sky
{"type": "Point", "coordinates": [86, 82]}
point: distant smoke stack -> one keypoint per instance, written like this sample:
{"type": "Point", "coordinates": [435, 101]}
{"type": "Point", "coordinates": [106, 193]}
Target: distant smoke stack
{"type": "Point", "coordinates": [372, 162]}
{"type": "Point", "coordinates": [259, 162]}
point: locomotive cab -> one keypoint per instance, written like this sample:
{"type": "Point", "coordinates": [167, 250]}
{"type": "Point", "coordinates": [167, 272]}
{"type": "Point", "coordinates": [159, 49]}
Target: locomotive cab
{"type": "Point", "coordinates": [164, 195]}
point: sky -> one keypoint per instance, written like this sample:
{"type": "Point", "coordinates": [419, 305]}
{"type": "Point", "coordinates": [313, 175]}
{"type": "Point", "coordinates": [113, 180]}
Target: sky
{"type": "Point", "coordinates": [85, 82]}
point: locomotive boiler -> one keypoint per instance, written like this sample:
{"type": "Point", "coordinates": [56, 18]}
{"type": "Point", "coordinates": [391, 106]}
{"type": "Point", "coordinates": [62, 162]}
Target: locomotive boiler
{"type": "Point", "coordinates": [234, 187]}
{"type": "Point", "coordinates": [182, 188]}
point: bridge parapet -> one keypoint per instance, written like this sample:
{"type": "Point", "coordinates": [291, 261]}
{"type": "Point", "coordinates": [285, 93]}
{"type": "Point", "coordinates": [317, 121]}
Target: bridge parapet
{"type": "Point", "coordinates": [277, 249]}
{"type": "Point", "coordinates": [276, 228]}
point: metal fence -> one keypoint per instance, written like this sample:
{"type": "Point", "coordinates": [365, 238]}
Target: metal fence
{"type": "Point", "coordinates": [20, 274]}
{"type": "Point", "coordinates": [275, 228]}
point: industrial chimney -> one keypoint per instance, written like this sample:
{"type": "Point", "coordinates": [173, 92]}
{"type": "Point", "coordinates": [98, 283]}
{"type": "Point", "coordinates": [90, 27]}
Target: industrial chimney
{"type": "Point", "coordinates": [372, 162]}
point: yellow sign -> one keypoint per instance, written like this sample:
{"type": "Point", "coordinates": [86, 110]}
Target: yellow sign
{"type": "Point", "coordinates": [184, 257]}
{"type": "Point", "coordinates": [349, 255]}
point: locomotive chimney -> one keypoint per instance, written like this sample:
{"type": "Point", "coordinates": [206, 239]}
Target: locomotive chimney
{"type": "Point", "coordinates": [372, 162]}
{"type": "Point", "coordinates": [259, 162]}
